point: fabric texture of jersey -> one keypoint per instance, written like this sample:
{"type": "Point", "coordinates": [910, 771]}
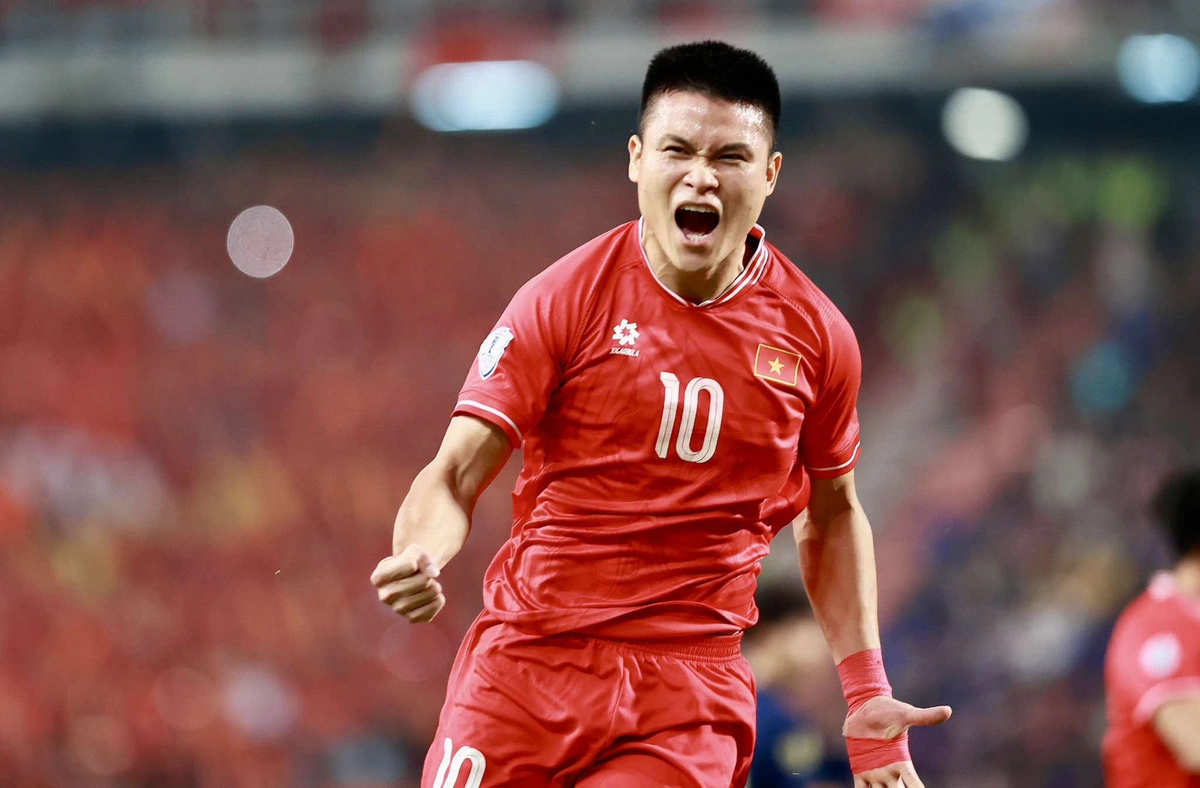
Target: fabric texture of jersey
{"type": "Point", "coordinates": [535, 711]}
{"type": "Point", "coordinates": [1153, 658]}
{"type": "Point", "coordinates": [665, 443]}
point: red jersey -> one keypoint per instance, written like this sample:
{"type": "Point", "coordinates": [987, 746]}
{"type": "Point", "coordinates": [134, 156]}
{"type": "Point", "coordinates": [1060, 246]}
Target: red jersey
{"type": "Point", "coordinates": [1153, 657]}
{"type": "Point", "coordinates": [665, 443]}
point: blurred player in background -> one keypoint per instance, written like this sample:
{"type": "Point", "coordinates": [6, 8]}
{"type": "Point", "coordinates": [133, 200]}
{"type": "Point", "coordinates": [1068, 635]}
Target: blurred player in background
{"type": "Point", "coordinates": [1152, 673]}
{"type": "Point", "coordinates": [787, 652]}
{"type": "Point", "coordinates": [681, 392]}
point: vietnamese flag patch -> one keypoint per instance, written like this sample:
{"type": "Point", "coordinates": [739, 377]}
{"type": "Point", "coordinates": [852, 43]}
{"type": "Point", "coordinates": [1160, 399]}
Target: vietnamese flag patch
{"type": "Point", "coordinates": [781, 366]}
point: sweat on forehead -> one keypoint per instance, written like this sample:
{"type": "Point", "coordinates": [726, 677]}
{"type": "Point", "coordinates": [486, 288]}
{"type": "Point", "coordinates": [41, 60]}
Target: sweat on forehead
{"type": "Point", "coordinates": [681, 104]}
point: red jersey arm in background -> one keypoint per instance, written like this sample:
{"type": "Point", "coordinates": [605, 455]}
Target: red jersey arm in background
{"type": "Point", "coordinates": [1153, 660]}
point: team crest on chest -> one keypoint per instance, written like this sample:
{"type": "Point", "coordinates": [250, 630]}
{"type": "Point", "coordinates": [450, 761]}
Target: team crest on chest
{"type": "Point", "coordinates": [492, 349]}
{"type": "Point", "coordinates": [626, 334]}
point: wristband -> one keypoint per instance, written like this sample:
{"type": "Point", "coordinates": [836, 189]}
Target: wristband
{"type": "Point", "coordinates": [863, 678]}
{"type": "Point", "coordinates": [868, 754]}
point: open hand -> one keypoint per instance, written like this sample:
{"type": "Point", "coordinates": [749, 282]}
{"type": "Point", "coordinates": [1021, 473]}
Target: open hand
{"type": "Point", "coordinates": [887, 718]}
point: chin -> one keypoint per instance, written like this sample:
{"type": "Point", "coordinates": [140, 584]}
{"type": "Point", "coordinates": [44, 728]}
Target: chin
{"type": "Point", "coordinates": [702, 255]}
{"type": "Point", "coordinates": [690, 259]}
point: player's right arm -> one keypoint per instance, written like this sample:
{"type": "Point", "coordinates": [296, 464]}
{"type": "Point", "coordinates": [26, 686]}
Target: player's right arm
{"type": "Point", "coordinates": [1177, 723]}
{"type": "Point", "coordinates": [435, 517]}
{"type": "Point", "coordinates": [506, 393]}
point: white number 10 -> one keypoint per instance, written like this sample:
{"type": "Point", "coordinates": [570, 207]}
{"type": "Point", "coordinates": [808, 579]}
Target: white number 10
{"type": "Point", "coordinates": [691, 402]}
{"type": "Point", "coordinates": [453, 762]}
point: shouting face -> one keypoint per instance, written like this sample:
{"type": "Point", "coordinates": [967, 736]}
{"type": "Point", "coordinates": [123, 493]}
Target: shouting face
{"type": "Point", "coordinates": [703, 167]}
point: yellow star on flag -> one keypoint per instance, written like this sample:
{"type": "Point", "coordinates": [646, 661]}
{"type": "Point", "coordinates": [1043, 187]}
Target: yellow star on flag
{"type": "Point", "coordinates": [777, 365]}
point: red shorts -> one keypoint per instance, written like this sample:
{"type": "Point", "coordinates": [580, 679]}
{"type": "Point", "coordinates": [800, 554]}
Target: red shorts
{"type": "Point", "coordinates": [574, 712]}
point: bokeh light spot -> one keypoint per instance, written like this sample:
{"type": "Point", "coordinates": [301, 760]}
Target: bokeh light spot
{"type": "Point", "coordinates": [984, 124]}
{"type": "Point", "coordinates": [260, 241]}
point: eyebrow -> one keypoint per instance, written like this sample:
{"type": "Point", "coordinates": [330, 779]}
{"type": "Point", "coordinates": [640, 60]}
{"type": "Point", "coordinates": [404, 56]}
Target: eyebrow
{"type": "Point", "coordinates": [733, 147]}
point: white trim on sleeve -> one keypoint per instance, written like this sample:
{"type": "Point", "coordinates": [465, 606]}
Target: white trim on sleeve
{"type": "Point", "coordinates": [1185, 687]}
{"type": "Point", "coordinates": [845, 464]}
{"type": "Point", "coordinates": [494, 412]}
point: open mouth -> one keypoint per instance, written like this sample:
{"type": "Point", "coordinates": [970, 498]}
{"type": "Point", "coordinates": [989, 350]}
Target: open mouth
{"type": "Point", "coordinates": [696, 222]}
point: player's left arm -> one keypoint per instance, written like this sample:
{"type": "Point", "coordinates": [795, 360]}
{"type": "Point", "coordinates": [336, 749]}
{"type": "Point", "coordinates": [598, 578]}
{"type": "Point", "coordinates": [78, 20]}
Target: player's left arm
{"type": "Point", "coordinates": [837, 562]}
{"type": "Point", "coordinates": [1177, 723]}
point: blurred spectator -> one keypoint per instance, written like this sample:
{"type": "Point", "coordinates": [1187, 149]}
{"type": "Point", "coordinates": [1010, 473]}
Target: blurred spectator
{"type": "Point", "coordinates": [793, 672]}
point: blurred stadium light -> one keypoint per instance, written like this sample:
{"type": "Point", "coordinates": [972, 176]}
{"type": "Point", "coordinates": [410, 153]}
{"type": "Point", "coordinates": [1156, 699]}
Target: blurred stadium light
{"type": "Point", "coordinates": [1159, 69]}
{"type": "Point", "coordinates": [984, 124]}
{"type": "Point", "coordinates": [484, 96]}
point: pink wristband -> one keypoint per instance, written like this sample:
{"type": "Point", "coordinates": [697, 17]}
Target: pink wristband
{"type": "Point", "coordinates": [868, 754]}
{"type": "Point", "coordinates": [863, 678]}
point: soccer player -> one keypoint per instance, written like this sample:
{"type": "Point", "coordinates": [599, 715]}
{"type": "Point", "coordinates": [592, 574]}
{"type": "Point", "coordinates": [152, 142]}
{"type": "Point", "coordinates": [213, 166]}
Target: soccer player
{"type": "Point", "coordinates": [681, 392]}
{"type": "Point", "coordinates": [1152, 672]}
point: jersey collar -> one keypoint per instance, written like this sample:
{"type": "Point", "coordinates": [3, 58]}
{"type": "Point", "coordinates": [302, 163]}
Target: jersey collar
{"type": "Point", "coordinates": [749, 276]}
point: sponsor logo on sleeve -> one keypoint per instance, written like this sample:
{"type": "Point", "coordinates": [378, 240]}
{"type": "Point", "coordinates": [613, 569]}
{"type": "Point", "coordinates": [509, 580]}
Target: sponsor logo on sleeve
{"type": "Point", "coordinates": [492, 349]}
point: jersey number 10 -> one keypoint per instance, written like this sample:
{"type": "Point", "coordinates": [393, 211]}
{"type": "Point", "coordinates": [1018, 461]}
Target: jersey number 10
{"type": "Point", "coordinates": [691, 402]}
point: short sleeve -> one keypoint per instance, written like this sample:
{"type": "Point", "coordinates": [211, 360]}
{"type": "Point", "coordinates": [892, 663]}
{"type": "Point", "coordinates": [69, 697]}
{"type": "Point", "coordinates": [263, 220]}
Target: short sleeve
{"type": "Point", "coordinates": [1156, 665]}
{"type": "Point", "coordinates": [520, 364]}
{"type": "Point", "coordinates": [829, 439]}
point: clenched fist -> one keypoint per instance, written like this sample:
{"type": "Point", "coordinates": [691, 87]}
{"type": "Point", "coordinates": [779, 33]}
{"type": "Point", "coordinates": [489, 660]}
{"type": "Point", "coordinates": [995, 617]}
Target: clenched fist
{"type": "Point", "coordinates": [407, 583]}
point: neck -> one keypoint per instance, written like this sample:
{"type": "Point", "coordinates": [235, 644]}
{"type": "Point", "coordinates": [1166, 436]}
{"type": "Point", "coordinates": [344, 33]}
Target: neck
{"type": "Point", "coordinates": [1187, 576]}
{"type": "Point", "coordinates": [695, 286]}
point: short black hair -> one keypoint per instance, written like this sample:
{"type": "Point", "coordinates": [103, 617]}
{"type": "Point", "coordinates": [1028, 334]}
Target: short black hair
{"type": "Point", "coordinates": [717, 70]}
{"type": "Point", "coordinates": [1176, 507]}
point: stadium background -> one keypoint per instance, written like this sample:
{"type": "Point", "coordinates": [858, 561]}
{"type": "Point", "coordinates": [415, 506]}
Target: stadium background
{"type": "Point", "coordinates": [198, 470]}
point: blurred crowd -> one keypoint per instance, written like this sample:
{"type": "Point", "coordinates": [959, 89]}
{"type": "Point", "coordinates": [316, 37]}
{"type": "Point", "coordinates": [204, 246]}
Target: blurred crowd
{"type": "Point", "coordinates": [198, 470]}
{"type": "Point", "coordinates": [339, 22]}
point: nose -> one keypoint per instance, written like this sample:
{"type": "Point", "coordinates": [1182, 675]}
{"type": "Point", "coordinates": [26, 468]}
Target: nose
{"type": "Point", "coordinates": [701, 176]}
